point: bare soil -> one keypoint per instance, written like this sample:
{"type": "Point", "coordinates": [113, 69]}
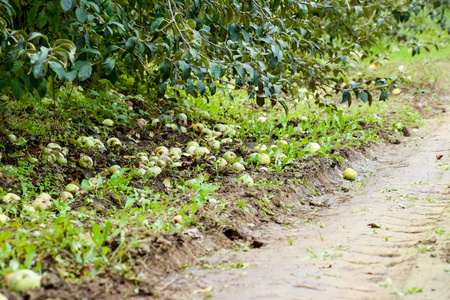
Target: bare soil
{"type": "Point", "coordinates": [387, 236]}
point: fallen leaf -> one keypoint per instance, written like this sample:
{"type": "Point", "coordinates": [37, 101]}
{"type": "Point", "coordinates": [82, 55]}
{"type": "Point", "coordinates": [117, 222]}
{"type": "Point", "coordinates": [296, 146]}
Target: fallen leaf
{"type": "Point", "coordinates": [373, 225]}
{"type": "Point", "coordinates": [167, 182]}
{"type": "Point", "coordinates": [439, 156]}
{"type": "Point", "coordinates": [205, 290]}
{"type": "Point", "coordinates": [326, 267]}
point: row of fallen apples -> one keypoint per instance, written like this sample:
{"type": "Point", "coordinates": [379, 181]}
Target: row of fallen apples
{"type": "Point", "coordinates": [150, 166]}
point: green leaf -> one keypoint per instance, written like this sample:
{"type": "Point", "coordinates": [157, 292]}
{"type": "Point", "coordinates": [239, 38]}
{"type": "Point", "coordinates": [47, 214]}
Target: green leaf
{"type": "Point", "coordinates": [38, 61]}
{"type": "Point", "coordinates": [240, 71]}
{"type": "Point", "coordinates": [85, 72]}
{"type": "Point", "coordinates": [260, 100]}
{"type": "Point", "coordinates": [201, 87]}
{"type": "Point", "coordinates": [363, 96]}
{"type": "Point", "coordinates": [345, 96]}
{"type": "Point", "coordinates": [185, 69]}
{"type": "Point", "coordinates": [81, 15]}
{"type": "Point", "coordinates": [234, 31]}
{"type": "Point", "coordinates": [212, 89]}
{"type": "Point", "coordinates": [108, 65]}
{"type": "Point", "coordinates": [164, 71]}
{"type": "Point", "coordinates": [286, 109]}
{"type": "Point", "coordinates": [66, 4]}
{"type": "Point", "coordinates": [90, 50]}
{"type": "Point", "coordinates": [42, 19]}
{"type": "Point", "coordinates": [58, 69]}
{"type": "Point", "coordinates": [214, 70]}
{"type": "Point", "coordinates": [131, 43]}
{"type": "Point", "coordinates": [70, 76]}
{"type": "Point", "coordinates": [383, 95]}
{"type": "Point", "coordinates": [18, 88]}
{"type": "Point", "coordinates": [381, 82]}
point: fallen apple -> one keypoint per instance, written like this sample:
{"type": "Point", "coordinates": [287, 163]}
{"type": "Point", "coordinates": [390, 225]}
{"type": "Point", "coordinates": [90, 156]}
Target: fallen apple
{"type": "Point", "coordinates": [23, 280]}
{"type": "Point", "coordinates": [264, 159]}
{"type": "Point", "coordinates": [260, 148]}
{"type": "Point", "coordinates": [350, 174]}
{"type": "Point", "coordinates": [160, 151]}
{"type": "Point", "coordinates": [61, 160]}
{"type": "Point", "coordinates": [191, 150]}
{"type": "Point", "coordinates": [139, 172]}
{"type": "Point", "coordinates": [202, 151]}
{"type": "Point", "coordinates": [230, 157]}
{"type": "Point", "coordinates": [41, 204]}
{"type": "Point", "coordinates": [221, 162]}
{"type": "Point", "coordinates": [108, 122]}
{"type": "Point", "coordinates": [12, 138]}
{"type": "Point", "coordinates": [198, 127]}
{"type": "Point", "coordinates": [237, 167]}
{"type": "Point", "coordinates": [114, 169]}
{"type": "Point", "coordinates": [3, 218]}
{"type": "Point", "coordinates": [153, 171]}
{"type": "Point", "coordinates": [313, 148]}
{"type": "Point", "coordinates": [175, 151]}
{"type": "Point", "coordinates": [247, 179]}
{"type": "Point", "coordinates": [2, 297]}
{"type": "Point", "coordinates": [193, 143]}
{"type": "Point", "coordinates": [206, 132]}
{"type": "Point", "coordinates": [45, 196]}
{"type": "Point", "coordinates": [215, 145]}
{"type": "Point", "coordinates": [401, 68]}
{"type": "Point", "coordinates": [113, 142]}
{"type": "Point", "coordinates": [66, 195]}
{"type": "Point", "coordinates": [161, 163]}
{"type": "Point", "coordinates": [86, 162]}
{"type": "Point", "coordinates": [396, 91]}
{"type": "Point", "coordinates": [220, 127]}
{"type": "Point", "coordinates": [72, 188]}
{"type": "Point", "coordinates": [29, 209]}
{"type": "Point", "coordinates": [10, 197]}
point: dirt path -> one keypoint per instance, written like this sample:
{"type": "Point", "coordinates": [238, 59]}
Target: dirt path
{"type": "Point", "coordinates": [388, 236]}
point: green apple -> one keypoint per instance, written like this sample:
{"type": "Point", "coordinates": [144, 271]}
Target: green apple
{"type": "Point", "coordinates": [10, 197]}
{"type": "Point", "coordinates": [230, 157]}
{"type": "Point", "coordinates": [114, 169]}
{"type": "Point", "coordinates": [221, 162]}
{"type": "Point", "coordinates": [160, 151]}
{"type": "Point", "coordinates": [313, 148]}
{"type": "Point", "coordinates": [108, 122]}
{"type": "Point", "coordinates": [237, 167]}
{"type": "Point", "coordinates": [41, 204]}
{"type": "Point", "coordinates": [198, 127]}
{"type": "Point", "coordinates": [72, 188]}
{"type": "Point", "coordinates": [113, 142]}
{"type": "Point", "coordinates": [264, 159]}
{"type": "Point", "coordinates": [86, 162]}
{"type": "Point", "coordinates": [66, 195]}
{"type": "Point", "coordinates": [3, 219]}
{"type": "Point", "coordinates": [153, 171]}
{"type": "Point", "coordinates": [350, 174]}
{"type": "Point", "coordinates": [45, 196]}
{"type": "Point", "coordinates": [23, 280]}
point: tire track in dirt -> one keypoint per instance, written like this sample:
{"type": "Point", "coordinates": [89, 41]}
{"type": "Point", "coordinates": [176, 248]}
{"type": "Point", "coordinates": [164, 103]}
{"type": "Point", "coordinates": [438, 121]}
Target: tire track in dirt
{"type": "Point", "coordinates": [386, 239]}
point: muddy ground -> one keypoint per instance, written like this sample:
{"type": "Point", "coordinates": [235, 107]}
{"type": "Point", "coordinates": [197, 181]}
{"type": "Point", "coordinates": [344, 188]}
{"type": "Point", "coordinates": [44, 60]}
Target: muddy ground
{"type": "Point", "coordinates": [385, 236]}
